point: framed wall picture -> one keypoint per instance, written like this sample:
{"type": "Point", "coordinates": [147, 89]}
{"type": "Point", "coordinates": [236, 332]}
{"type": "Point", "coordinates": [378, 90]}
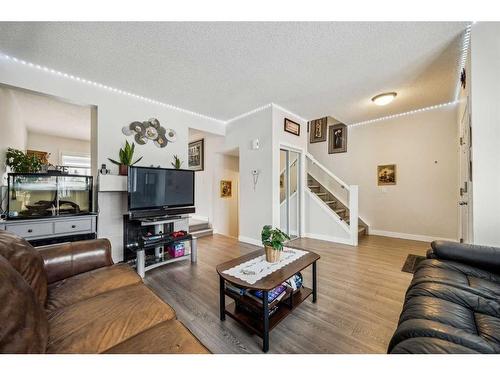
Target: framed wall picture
{"type": "Point", "coordinates": [386, 174]}
{"type": "Point", "coordinates": [40, 155]}
{"type": "Point", "coordinates": [317, 130]}
{"type": "Point", "coordinates": [196, 155]}
{"type": "Point", "coordinates": [292, 127]}
{"type": "Point", "coordinates": [337, 138]}
{"type": "Point", "coordinates": [226, 189]}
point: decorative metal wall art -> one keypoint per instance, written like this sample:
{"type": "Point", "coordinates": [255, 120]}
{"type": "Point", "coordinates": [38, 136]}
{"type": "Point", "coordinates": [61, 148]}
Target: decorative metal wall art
{"type": "Point", "coordinates": [150, 130]}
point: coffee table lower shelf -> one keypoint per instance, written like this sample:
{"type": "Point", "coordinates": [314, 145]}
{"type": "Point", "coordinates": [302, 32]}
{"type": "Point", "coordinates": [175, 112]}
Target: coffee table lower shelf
{"type": "Point", "coordinates": [256, 325]}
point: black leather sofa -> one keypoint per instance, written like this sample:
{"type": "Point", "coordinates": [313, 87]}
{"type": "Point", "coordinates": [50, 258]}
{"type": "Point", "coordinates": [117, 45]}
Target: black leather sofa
{"type": "Point", "coordinates": [453, 302]}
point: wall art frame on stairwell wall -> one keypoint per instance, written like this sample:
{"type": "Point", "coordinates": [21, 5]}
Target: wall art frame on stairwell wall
{"type": "Point", "coordinates": [317, 130]}
{"type": "Point", "coordinates": [292, 127]}
{"type": "Point", "coordinates": [337, 138]}
{"type": "Point", "coordinates": [386, 174]}
{"type": "Point", "coordinates": [226, 189]}
{"type": "Point", "coordinates": [196, 155]}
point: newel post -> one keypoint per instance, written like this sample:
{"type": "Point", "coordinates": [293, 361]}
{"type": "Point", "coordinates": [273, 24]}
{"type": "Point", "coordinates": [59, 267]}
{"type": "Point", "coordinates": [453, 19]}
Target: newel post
{"type": "Point", "coordinates": [353, 213]}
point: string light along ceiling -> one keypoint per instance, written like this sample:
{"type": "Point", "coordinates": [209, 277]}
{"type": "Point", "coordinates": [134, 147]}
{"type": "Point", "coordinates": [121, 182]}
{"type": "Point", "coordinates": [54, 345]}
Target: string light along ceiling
{"type": "Point", "coordinates": [462, 62]}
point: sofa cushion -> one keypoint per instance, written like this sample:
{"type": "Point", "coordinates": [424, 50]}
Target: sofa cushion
{"type": "Point", "coordinates": [430, 345]}
{"type": "Point", "coordinates": [89, 284]}
{"type": "Point", "coordinates": [23, 327]}
{"type": "Point", "coordinates": [449, 313]}
{"type": "Point", "coordinates": [27, 261]}
{"type": "Point", "coordinates": [170, 337]}
{"type": "Point", "coordinates": [475, 280]}
{"type": "Point", "coordinates": [98, 323]}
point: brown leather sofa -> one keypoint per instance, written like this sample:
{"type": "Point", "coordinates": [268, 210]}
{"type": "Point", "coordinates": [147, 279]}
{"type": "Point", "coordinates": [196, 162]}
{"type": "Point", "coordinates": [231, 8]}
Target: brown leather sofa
{"type": "Point", "coordinates": [71, 298]}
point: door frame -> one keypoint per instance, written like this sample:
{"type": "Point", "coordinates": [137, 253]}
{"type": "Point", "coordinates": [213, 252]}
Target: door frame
{"type": "Point", "coordinates": [465, 169]}
{"type": "Point", "coordinates": [301, 179]}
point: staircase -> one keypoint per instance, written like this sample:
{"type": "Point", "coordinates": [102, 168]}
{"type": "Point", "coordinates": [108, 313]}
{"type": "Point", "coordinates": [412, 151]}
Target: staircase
{"type": "Point", "coordinates": [334, 204]}
{"type": "Point", "coordinates": [199, 228]}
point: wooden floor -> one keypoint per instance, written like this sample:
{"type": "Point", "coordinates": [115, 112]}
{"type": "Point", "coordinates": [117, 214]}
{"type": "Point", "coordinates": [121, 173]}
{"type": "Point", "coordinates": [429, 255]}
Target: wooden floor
{"type": "Point", "coordinates": [361, 291]}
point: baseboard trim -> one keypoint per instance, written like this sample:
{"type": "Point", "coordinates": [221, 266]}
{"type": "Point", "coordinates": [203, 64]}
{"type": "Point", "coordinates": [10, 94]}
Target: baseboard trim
{"type": "Point", "coordinates": [225, 234]}
{"type": "Point", "coordinates": [407, 236]}
{"type": "Point", "coordinates": [249, 240]}
{"type": "Point", "coordinates": [323, 237]}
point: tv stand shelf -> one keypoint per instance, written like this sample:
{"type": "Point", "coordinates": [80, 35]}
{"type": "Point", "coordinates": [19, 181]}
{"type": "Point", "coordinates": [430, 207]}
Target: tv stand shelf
{"type": "Point", "coordinates": [144, 263]}
{"type": "Point", "coordinates": [163, 220]}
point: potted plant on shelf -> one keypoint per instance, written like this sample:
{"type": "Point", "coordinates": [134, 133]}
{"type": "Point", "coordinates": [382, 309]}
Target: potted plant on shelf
{"type": "Point", "coordinates": [20, 162]}
{"type": "Point", "coordinates": [273, 240]}
{"type": "Point", "coordinates": [177, 162]}
{"type": "Point", "coordinates": [126, 155]}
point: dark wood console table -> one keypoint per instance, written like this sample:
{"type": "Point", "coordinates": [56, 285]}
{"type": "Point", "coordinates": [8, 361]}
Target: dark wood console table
{"type": "Point", "coordinates": [263, 325]}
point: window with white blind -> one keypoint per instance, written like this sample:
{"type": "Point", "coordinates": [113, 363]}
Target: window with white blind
{"type": "Point", "coordinates": [77, 164]}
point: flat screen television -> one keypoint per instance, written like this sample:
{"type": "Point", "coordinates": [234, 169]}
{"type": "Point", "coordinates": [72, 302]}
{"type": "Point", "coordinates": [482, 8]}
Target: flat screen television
{"type": "Point", "coordinates": [159, 189]}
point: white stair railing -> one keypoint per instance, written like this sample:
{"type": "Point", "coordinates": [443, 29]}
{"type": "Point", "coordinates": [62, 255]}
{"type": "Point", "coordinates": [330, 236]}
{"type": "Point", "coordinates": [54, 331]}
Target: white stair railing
{"type": "Point", "coordinates": [346, 194]}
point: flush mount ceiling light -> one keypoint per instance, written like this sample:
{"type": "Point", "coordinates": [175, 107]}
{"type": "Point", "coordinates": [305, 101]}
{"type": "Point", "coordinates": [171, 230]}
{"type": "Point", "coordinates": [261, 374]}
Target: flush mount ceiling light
{"type": "Point", "coordinates": [384, 99]}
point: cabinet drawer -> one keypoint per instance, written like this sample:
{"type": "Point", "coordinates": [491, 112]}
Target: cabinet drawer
{"type": "Point", "coordinates": [32, 229]}
{"type": "Point", "coordinates": [72, 226]}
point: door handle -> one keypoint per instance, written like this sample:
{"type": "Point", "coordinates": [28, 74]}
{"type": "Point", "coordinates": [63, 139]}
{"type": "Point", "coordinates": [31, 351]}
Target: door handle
{"type": "Point", "coordinates": [463, 203]}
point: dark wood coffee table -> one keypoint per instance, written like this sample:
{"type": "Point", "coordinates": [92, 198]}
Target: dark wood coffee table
{"type": "Point", "coordinates": [263, 325]}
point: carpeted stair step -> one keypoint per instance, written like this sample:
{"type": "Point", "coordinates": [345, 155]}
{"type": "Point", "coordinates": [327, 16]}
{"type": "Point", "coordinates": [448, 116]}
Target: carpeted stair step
{"type": "Point", "coordinates": [340, 211]}
{"type": "Point", "coordinates": [198, 227]}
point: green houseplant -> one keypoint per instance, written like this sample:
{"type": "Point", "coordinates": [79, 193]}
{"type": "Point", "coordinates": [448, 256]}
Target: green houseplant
{"type": "Point", "coordinates": [126, 155]}
{"type": "Point", "coordinates": [20, 162]}
{"type": "Point", "coordinates": [273, 241]}
{"type": "Point", "coordinates": [177, 162]}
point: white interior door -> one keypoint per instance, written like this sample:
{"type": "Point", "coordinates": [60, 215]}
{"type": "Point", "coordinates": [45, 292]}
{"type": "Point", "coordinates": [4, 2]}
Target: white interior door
{"type": "Point", "coordinates": [465, 195]}
{"type": "Point", "coordinates": [290, 192]}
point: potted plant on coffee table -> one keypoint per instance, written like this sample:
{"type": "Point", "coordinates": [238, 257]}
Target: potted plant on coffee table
{"type": "Point", "coordinates": [273, 241]}
{"type": "Point", "coordinates": [126, 155]}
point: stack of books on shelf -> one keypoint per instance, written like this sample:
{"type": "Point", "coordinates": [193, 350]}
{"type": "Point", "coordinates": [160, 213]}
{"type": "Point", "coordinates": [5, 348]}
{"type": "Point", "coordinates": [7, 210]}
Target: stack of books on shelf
{"type": "Point", "coordinates": [274, 296]}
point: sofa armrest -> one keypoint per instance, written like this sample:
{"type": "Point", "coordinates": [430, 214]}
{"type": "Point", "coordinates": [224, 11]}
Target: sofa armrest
{"type": "Point", "coordinates": [69, 259]}
{"type": "Point", "coordinates": [484, 257]}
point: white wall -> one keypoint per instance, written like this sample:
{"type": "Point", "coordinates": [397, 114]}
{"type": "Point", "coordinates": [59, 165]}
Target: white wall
{"type": "Point", "coordinates": [222, 213]}
{"type": "Point", "coordinates": [281, 138]}
{"type": "Point", "coordinates": [485, 96]}
{"type": "Point", "coordinates": [423, 204]}
{"type": "Point", "coordinates": [113, 112]}
{"type": "Point", "coordinates": [320, 223]}
{"type": "Point", "coordinates": [12, 129]}
{"type": "Point", "coordinates": [226, 209]}
{"type": "Point", "coordinates": [256, 205]}
{"type": "Point", "coordinates": [204, 180]}
{"type": "Point", "coordinates": [57, 145]}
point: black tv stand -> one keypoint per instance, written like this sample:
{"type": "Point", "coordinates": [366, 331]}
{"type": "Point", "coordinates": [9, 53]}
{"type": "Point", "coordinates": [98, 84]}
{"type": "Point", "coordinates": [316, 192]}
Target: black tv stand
{"type": "Point", "coordinates": [145, 263]}
{"type": "Point", "coordinates": [161, 219]}
{"type": "Point", "coordinates": [150, 256]}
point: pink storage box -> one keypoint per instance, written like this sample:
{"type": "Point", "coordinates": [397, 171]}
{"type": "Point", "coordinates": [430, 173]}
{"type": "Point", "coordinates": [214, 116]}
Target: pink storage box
{"type": "Point", "coordinates": [176, 250]}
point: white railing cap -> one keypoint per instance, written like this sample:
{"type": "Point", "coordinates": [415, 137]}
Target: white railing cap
{"type": "Point", "coordinates": [327, 171]}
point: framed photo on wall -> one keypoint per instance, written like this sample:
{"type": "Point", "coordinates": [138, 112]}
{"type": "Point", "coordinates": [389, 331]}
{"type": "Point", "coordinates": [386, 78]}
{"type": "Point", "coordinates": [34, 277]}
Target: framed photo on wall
{"type": "Point", "coordinates": [386, 174]}
{"type": "Point", "coordinates": [337, 138]}
{"type": "Point", "coordinates": [292, 127]}
{"type": "Point", "coordinates": [196, 155]}
{"type": "Point", "coordinates": [317, 130]}
{"type": "Point", "coordinates": [226, 189]}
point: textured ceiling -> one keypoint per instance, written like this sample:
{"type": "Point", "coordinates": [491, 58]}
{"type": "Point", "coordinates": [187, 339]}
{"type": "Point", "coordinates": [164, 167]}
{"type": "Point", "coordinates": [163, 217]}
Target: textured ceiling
{"type": "Point", "coordinates": [46, 115]}
{"type": "Point", "coordinates": [223, 69]}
